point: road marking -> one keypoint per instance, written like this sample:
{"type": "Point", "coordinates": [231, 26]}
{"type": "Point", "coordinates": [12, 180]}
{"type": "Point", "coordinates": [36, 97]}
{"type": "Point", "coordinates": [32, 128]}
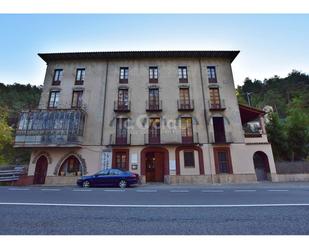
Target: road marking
{"type": "Point", "coordinates": [245, 190]}
{"type": "Point", "coordinates": [212, 191]}
{"type": "Point", "coordinates": [82, 190]}
{"type": "Point", "coordinates": [147, 191]}
{"type": "Point", "coordinates": [13, 189]}
{"type": "Point", "coordinates": [114, 190]}
{"type": "Point", "coordinates": [179, 191]}
{"type": "Point", "coordinates": [277, 190]}
{"type": "Point", "coordinates": [50, 189]}
{"type": "Point", "coordinates": [154, 205]}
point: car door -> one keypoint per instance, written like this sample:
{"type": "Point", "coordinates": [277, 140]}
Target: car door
{"type": "Point", "coordinates": [101, 179]}
{"type": "Point", "coordinates": [114, 177]}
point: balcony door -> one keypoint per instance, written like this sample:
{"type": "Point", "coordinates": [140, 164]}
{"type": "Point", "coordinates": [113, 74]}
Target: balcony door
{"type": "Point", "coordinates": [123, 99]}
{"type": "Point", "coordinates": [121, 131]}
{"type": "Point", "coordinates": [214, 98]}
{"type": "Point", "coordinates": [154, 99]}
{"type": "Point", "coordinates": [184, 97]}
{"type": "Point", "coordinates": [219, 131]}
{"type": "Point", "coordinates": [154, 131]}
{"type": "Point", "coordinates": [186, 130]}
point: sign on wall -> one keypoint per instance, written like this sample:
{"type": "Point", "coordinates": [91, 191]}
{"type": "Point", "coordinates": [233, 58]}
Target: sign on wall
{"type": "Point", "coordinates": [106, 162]}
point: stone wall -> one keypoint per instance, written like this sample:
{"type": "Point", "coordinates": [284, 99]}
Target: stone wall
{"type": "Point", "coordinates": [300, 167]}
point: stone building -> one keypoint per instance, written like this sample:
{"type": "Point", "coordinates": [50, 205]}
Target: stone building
{"type": "Point", "coordinates": [170, 116]}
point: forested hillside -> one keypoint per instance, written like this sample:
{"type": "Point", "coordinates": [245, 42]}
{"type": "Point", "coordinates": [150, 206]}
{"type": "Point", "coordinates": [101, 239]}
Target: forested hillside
{"type": "Point", "coordinates": [276, 92]}
{"type": "Point", "coordinates": [13, 99]}
{"type": "Point", "coordinates": [288, 129]}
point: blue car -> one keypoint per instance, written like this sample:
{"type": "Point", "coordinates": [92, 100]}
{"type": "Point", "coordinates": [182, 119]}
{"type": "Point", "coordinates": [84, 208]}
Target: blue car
{"type": "Point", "coordinates": [109, 177]}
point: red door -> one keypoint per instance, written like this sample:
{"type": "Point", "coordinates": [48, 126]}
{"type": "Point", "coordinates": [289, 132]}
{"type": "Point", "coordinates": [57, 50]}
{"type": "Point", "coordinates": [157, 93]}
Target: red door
{"type": "Point", "coordinates": [40, 170]}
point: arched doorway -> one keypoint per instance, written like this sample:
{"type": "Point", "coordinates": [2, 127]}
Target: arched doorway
{"type": "Point", "coordinates": [261, 165]}
{"type": "Point", "coordinates": [154, 164]}
{"type": "Point", "coordinates": [40, 170]}
{"type": "Point", "coordinates": [70, 167]}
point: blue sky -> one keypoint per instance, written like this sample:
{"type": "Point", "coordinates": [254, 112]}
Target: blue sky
{"type": "Point", "coordinates": [269, 44]}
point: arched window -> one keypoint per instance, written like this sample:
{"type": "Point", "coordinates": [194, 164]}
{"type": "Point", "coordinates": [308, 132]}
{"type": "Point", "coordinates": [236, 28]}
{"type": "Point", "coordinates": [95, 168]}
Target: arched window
{"type": "Point", "coordinates": [70, 167]}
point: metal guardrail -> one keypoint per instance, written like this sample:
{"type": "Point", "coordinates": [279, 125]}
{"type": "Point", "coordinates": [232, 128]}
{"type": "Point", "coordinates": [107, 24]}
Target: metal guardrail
{"type": "Point", "coordinates": [10, 175]}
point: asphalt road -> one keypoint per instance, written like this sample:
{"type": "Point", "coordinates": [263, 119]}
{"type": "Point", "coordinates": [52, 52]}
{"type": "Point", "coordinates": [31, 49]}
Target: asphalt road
{"type": "Point", "coordinates": [156, 209]}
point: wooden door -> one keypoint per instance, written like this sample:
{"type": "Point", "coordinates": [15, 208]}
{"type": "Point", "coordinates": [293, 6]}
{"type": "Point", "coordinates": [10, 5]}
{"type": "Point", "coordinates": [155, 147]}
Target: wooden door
{"type": "Point", "coordinates": [40, 170]}
{"type": "Point", "coordinates": [159, 174]}
{"type": "Point", "coordinates": [150, 167]}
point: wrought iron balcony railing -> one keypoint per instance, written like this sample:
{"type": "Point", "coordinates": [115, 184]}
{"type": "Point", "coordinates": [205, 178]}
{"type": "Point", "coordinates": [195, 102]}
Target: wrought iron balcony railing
{"type": "Point", "coordinates": [124, 139]}
{"type": "Point", "coordinates": [225, 138]}
{"type": "Point", "coordinates": [122, 106]}
{"type": "Point", "coordinates": [185, 105]}
{"type": "Point", "coordinates": [217, 106]}
{"type": "Point", "coordinates": [154, 106]}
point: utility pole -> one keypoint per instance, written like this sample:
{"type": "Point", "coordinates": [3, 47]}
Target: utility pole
{"type": "Point", "coordinates": [248, 97]}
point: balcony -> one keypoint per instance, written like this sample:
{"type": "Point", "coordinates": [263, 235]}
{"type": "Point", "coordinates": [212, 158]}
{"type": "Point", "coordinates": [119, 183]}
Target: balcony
{"type": "Point", "coordinates": [253, 133]}
{"type": "Point", "coordinates": [217, 107]}
{"type": "Point", "coordinates": [152, 139]}
{"type": "Point", "coordinates": [225, 138]}
{"type": "Point", "coordinates": [169, 138]}
{"type": "Point", "coordinates": [185, 105]}
{"type": "Point", "coordinates": [194, 139]}
{"type": "Point", "coordinates": [122, 106]}
{"type": "Point", "coordinates": [50, 128]}
{"type": "Point", "coordinates": [123, 140]}
{"type": "Point", "coordinates": [154, 106]}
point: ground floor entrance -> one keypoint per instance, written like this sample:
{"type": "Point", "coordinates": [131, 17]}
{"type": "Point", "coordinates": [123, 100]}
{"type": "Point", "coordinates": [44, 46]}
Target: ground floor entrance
{"type": "Point", "coordinates": [261, 165]}
{"type": "Point", "coordinates": [154, 164]}
{"type": "Point", "coordinates": [154, 167]}
{"type": "Point", "coordinates": [40, 170]}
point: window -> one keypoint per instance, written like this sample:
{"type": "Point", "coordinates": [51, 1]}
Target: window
{"type": "Point", "coordinates": [214, 98]}
{"type": "Point", "coordinates": [186, 130]}
{"type": "Point", "coordinates": [219, 131]}
{"type": "Point", "coordinates": [154, 131]}
{"type": "Point", "coordinates": [53, 99]}
{"type": "Point", "coordinates": [212, 76]}
{"type": "Point", "coordinates": [154, 99]}
{"type": "Point", "coordinates": [121, 160]}
{"type": "Point", "coordinates": [70, 167]}
{"type": "Point", "coordinates": [182, 74]}
{"type": "Point", "coordinates": [184, 97]}
{"type": "Point", "coordinates": [80, 76]}
{"type": "Point", "coordinates": [223, 160]}
{"type": "Point", "coordinates": [121, 131]}
{"type": "Point", "coordinates": [57, 76]}
{"type": "Point", "coordinates": [153, 74]}
{"type": "Point", "coordinates": [124, 75]}
{"type": "Point", "coordinates": [188, 158]}
{"type": "Point", "coordinates": [77, 99]}
{"type": "Point", "coordinates": [123, 99]}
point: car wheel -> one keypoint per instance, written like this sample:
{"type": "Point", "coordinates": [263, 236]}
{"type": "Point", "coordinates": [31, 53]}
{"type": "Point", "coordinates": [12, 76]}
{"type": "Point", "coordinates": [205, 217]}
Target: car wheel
{"type": "Point", "coordinates": [123, 184]}
{"type": "Point", "coordinates": [86, 184]}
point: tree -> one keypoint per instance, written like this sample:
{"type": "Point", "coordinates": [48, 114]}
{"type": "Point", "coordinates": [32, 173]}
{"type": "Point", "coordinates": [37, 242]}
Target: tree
{"type": "Point", "coordinates": [6, 138]}
{"type": "Point", "coordinates": [277, 136]}
{"type": "Point", "coordinates": [297, 130]}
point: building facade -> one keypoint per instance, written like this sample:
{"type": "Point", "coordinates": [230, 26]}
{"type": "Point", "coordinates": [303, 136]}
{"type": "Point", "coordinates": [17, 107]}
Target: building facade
{"type": "Point", "coordinates": [170, 116]}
